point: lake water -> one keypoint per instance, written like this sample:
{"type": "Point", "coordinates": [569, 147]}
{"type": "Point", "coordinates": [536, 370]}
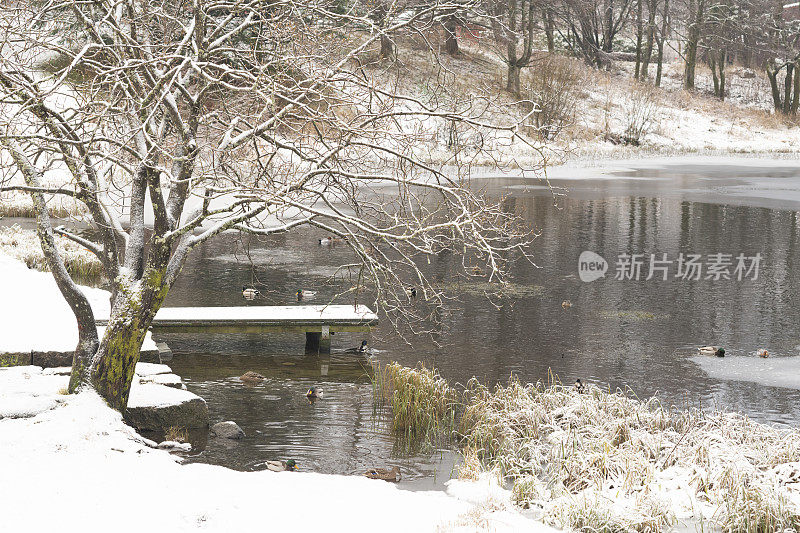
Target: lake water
{"type": "Point", "coordinates": [618, 333]}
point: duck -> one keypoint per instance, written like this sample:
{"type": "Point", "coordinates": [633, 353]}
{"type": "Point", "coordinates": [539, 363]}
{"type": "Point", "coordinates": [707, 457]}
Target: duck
{"type": "Point", "coordinates": [314, 393]}
{"type": "Point", "coordinates": [282, 466]}
{"type": "Point", "coordinates": [579, 386]}
{"type": "Point", "coordinates": [411, 292]}
{"type": "Point", "coordinates": [385, 474]}
{"type": "Point", "coordinates": [712, 350]}
{"type": "Point", "coordinates": [250, 292]}
{"type": "Point", "coordinates": [304, 294]}
{"type": "Point", "coordinates": [361, 349]}
{"type": "Point", "coordinates": [327, 241]}
{"type": "Point", "coordinates": [566, 304]}
{"type": "Point", "coordinates": [763, 353]}
{"type": "Point", "coordinates": [252, 377]}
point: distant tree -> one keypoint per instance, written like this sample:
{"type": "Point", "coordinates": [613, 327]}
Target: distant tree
{"type": "Point", "coordinates": [593, 25]}
{"type": "Point", "coordinates": [246, 115]}
{"type": "Point", "coordinates": [514, 28]}
{"type": "Point", "coordinates": [695, 25]}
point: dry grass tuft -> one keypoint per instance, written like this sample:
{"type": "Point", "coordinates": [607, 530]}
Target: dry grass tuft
{"type": "Point", "coordinates": [24, 245]}
{"type": "Point", "coordinates": [176, 434]}
{"type": "Point", "coordinates": [19, 204]}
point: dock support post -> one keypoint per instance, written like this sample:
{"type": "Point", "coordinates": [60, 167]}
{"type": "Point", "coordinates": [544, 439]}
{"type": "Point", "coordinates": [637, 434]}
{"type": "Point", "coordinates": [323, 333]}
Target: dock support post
{"type": "Point", "coordinates": [319, 342]}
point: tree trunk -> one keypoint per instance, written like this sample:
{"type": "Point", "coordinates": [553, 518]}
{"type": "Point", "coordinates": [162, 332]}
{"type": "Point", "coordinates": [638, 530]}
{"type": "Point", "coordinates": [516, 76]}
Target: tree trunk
{"type": "Point", "coordinates": [721, 65]}
{"type": "Point", "coordinates": [513, 85]}
{"type": "Point", "coordinates": [451, 38]}
{"type": "Point", "coordinates": [639, 34]}
{"type": "Point", "coordinates": [772, 75]}
{"type": "Point", "coordinates": [796, 94]}
{"type": "Point", "coordinates": [547, 19]}
{"type": "Point", "coordinates": [114, 364]}
{"type": "Point", "coordinates": [661, 39]}
{"type": "Point", "coordinates": [608, 26]}
{"type": "Point", "coordinates": [712, 63]}
{"type": "Point", "coordinates": [387, 47]}
{"type": "Point", "coordinates": [696, 9]}
{"type": "Point", "coordinates": [650, 33]}
{"type": "Point", "coordinates": [131, 316]}
{"type": "Point", "coordinates": [787, 89]}
{"type": "Point", "coordinates": [75, 298]}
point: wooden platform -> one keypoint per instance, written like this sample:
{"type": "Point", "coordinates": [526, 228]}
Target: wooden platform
{"type": "Point", "coordinates": [318, 322]}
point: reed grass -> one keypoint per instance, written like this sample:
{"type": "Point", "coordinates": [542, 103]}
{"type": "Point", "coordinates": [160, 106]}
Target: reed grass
{"type": "Point", "coordinates": [422, 405]}
{"type": "Point", "coordinates": [24, 245]}
{"type": "Point", "coordinates": [606, 461]}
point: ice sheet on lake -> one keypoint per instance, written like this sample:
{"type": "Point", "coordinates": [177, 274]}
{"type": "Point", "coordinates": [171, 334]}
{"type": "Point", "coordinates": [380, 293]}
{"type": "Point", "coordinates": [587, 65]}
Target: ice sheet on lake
{"type": "Point", "coordinates": [773, 372]}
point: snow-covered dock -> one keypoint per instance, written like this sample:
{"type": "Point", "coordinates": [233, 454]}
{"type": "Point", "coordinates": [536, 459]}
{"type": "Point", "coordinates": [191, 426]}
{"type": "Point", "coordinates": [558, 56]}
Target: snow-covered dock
{"type": "Point", "coordinates": [318, 322]}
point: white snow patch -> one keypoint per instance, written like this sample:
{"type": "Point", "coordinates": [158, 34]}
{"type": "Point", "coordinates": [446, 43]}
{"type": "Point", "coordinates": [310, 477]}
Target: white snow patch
{"type": "Point", "coordinates": [35, 316]}
{"type": "Point", "coordinates": [151, 369]}
{"type": "Point", "coordinates": [91, 469]}
{"type": "Point", "coordinates": [154, 395]}
{"type": "Point", "coordinates": [773, 372]}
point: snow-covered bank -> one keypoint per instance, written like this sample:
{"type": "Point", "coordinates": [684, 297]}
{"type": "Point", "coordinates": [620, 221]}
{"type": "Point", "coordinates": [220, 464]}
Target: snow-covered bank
{"type": "Point", "coordinates": [35, 317]}
{"type": "Point", "coordinates": [158, 399]}
{"type": "Point", "coordinates": [87, 470]}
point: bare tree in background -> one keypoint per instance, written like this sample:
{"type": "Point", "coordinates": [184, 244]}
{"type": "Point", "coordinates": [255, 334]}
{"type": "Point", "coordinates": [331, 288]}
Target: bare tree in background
{"type": "Point", "coordinates": [695, 25]}
{"type": "Point", "coordinates": [592, 25]}
{"type": "Point", "coordinates": [255, 116]}
{"type": "Point", "coordinates": [514, 27]}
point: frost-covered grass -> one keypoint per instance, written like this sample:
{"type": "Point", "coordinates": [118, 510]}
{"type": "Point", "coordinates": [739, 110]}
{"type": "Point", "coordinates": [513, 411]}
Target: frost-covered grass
{"type": "Point", "coordinates": [19, 204]}
{"type": "Point", "coordinates": [24, 245]}
{"type": "Point", "coordinates": [603, 461]}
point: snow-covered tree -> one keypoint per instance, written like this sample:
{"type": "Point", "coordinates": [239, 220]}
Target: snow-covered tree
{"type": "Point", "coordinates": [176, 120]}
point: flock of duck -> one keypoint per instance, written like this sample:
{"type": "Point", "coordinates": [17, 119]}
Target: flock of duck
{"type": "Point", "coordinates": [313, 394]}
{"type": "Point", "coordinates": [251, 293]}
{"type": "Point", "coordinates": [719, 351]}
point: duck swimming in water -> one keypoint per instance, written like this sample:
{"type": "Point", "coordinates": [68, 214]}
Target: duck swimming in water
{"type": "Point", "coordinates": [249, 292]}
{"type": "Point", "coordinates": [361, 349]}
{"type": "Point", "coordinates": [712, 350]}
{"type": "Point", "coordinates": [314, 393]}
{"type": "Point", "coordinates": [282, 466]}
{"type": "Point", "coordinates": [304, 294]}
{"type": "Point", "coordinates": [763, 353]}
{"type": "Point", "coordinates": [251, 377]}
{"type": "Point", "coordinates": [385, 474]}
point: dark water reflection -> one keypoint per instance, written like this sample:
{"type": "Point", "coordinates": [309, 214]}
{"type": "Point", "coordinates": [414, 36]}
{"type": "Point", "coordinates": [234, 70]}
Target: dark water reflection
{"type": "Point", "coordinates": [636, 334]}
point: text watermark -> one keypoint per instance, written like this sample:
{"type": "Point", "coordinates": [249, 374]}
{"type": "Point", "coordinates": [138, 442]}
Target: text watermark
{"type": "Point", "coordinates": [661, 267]}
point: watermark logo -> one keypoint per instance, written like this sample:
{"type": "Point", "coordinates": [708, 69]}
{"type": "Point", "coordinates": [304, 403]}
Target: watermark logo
{"type": "Point", "coordinates": [684, 267]}
{"type": "Point", "coordinates": [591, 266]}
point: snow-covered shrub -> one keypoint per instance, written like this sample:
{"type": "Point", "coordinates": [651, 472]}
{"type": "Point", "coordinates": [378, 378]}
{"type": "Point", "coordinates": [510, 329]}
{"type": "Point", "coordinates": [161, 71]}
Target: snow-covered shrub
{"type": "Point", "coordinates": [640, 107]}
{"type": "Point", "coordinates": [554, 86]}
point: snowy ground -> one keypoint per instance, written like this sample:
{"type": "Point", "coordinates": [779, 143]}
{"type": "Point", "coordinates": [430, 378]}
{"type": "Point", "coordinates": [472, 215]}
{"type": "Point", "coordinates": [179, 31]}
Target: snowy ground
{"type": "Point", "coordinates": [74, 457]}
{"type": "Point", "coordinates": [34, 315]}
{"type": "Point", "coordinates": [79, 462]}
